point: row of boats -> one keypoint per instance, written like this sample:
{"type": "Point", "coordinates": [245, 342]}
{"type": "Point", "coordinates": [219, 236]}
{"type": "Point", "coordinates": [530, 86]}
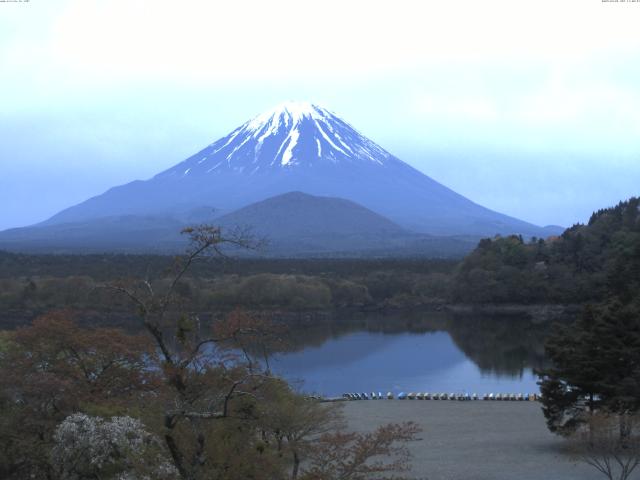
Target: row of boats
{"type": "Point", "coordinates": [513, 397]}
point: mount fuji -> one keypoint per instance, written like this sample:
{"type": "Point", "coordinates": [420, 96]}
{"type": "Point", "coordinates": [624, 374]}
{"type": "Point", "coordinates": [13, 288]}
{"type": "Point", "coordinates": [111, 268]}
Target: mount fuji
{"type": "Point", "coordinates": [296, 147]}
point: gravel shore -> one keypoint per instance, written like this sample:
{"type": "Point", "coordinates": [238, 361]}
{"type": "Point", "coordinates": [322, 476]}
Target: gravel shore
{"type": "Point", "coordinates": [475, 440]}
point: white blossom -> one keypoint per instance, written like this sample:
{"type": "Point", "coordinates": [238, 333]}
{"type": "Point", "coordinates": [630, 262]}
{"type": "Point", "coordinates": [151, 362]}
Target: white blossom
{"type": "Point", "coordinates": [86, 445]}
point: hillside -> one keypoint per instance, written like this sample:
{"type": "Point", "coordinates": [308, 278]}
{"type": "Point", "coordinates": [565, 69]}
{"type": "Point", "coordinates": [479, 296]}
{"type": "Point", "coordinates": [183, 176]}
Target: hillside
{"type": "Point", "coordinates": [587, 263]}
{"type": "Point", "coordinates": [298, 215]}
{"type": "Point", "coordinates": [293, 225]}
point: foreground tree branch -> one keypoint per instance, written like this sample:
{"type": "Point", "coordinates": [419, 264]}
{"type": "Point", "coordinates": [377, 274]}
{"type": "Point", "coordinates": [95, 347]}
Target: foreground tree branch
{"type": "Point", "coordinates": [195, 370]}
{"type": "Point", "coordinates": [356, 456]}
{"type": "Point", "coordinates": [598, 443]}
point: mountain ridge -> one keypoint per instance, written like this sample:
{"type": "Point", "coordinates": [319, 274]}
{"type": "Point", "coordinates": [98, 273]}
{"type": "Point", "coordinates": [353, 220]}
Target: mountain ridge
{"type": "Point", "coordinates": [294, 224]}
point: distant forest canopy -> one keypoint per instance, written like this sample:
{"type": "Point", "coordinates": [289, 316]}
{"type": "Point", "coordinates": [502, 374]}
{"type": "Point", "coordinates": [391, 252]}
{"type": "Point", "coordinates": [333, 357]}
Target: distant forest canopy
{"type": "Point", "coordinates": [117, 265]}
{"type": "Point", "coordinates": [587, 263]}
{"type": "Point", "coordinates": [37, 283]}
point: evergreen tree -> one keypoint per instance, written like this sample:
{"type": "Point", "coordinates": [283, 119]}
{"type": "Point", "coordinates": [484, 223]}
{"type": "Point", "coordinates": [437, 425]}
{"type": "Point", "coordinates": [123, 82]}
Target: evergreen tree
{"type": "Point", "coordinates": [595, 367]}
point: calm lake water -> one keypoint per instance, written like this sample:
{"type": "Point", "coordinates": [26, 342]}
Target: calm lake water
{"type": "Point", "coordinates": [455, 356]}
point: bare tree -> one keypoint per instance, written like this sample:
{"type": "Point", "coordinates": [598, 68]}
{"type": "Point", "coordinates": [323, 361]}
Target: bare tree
{"type": "Point", "coordinates": [295, 424]}
{"type": "Point", "coordinates": [359, 456]}
{"type": "Point", "coordinates": [599, 443]}
{"type": "Point", "coordinates": [203, 380]}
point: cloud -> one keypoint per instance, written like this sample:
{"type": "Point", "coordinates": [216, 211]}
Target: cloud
{"type": "Point", "coordinates": [132, 86]}
{"type": "Point", "coordinates": [203, 41]}
{"type": "Point", "coordinates": [585, 107]}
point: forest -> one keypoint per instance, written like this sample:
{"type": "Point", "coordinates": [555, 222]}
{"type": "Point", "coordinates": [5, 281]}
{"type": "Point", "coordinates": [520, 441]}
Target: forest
{"type": "Point", "coordinates": [587, 263]}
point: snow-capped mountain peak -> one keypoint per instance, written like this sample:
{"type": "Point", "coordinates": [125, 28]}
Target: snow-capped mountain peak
{"type": "Point", "coordinates": [291, 135]}
{"type": "Point", "coordinates": [290, 113]}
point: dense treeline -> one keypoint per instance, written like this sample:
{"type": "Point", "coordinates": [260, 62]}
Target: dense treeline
{"type": "Point", "coordinates": [268, 284]}
{"type": "Point", "coordinates": [591, 390]}
{"type": "Point", "coordinates": [587, 263]}
{"type": "Point", "coordinates": [110, 266]}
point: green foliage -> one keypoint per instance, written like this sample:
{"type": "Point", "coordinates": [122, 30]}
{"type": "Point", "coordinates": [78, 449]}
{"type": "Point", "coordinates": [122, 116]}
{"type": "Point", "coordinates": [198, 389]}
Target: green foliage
{"type": "Point", "coordinates": [587, 263]}
{"type": "Point", "coordinates": [595, 366]}
{"type": "Point", "coordinates": [102, 267]}
{"type": "Point", "coordinates": [269, 290]}
{"type": "Point", "coordinates": [5, 342]}
{"type": "Point", "coordinates": [281, 284]}
{"type": "Point", "coordinates": [347, 292]}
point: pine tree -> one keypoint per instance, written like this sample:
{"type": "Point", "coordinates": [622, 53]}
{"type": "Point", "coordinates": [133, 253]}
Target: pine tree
{"type": "Point", "coordinates": [595, 367]}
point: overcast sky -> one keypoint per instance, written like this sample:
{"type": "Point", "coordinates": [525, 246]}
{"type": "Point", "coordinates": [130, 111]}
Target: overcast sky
{"type": "Point", "coordinates": [529, 108]}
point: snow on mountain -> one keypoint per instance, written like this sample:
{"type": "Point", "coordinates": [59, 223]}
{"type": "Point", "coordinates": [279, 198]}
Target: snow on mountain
{"type": "Point", "coordinates": [293, 134]}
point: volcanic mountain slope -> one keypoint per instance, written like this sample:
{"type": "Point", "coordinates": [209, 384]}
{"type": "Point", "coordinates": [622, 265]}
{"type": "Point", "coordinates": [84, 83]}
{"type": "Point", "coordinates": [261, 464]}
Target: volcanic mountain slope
{"type": "Point", "coordinates": [299, 223]}
{"type": "Point", "coordinates": [118, 233]}
{"type": "Point", "coordinates": [298, 215]}
{"type": "Point", "coordinates": [300, 147]}
{"type": "Point", "coordinates": [293, 224]}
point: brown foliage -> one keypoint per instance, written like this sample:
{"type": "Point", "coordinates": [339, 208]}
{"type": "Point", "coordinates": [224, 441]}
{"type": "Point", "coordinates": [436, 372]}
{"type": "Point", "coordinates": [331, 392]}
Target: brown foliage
{"type": "Point", "coordinates": [80, 365]}
{"type": "Point", "coordinates": [54, 368]}
{"type": "Point", "coordinates": [360, 456]}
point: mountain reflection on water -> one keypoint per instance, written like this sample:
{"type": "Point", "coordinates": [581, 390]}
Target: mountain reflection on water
{"type": "Point", "coordinates": [419, 352]}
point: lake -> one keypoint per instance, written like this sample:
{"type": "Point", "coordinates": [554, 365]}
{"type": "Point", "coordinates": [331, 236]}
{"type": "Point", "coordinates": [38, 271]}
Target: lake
{"type": "Point", "coordinates": [444, 354]}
